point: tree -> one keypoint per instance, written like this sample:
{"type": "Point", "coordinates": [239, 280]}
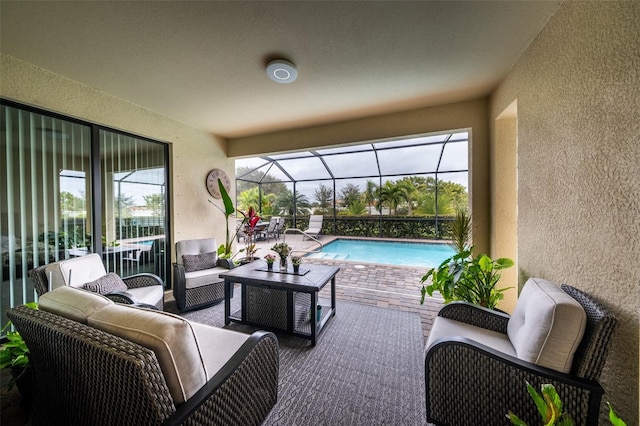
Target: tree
{"type": "Point", "coordinates": [370, 194]}
{"type": "Point", "coordinates": [155, 203]}
{"type": "Point", "coordinates": [71, 203]}
{"type": "Point", "coordinates": [350, 194]}
{"type": "Point", "coordinates": [251, 198]}
{"type": "Point", "coordinates": [324, 196]}
{"type": "Point", "coordinates": [286, 202]}
{"type": "Point", "coordinates": [123, 203]}
{"type": "Point", "coordinates": [390, 195]}
{"type": "Point", "coordinates": [271, 185]}
{"type": "Point", "coordinates": [356, 208]}
{"type": "Point", "coordinates": [408, 191]}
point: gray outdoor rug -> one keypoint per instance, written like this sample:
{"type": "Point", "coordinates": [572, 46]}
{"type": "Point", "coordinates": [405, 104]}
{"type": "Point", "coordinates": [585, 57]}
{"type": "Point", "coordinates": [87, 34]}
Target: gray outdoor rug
{"type": "Point", "coordinates": [366, 369]}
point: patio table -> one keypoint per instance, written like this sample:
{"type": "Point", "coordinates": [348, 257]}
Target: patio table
{"type": "Point", "coordinates": [281, 300]}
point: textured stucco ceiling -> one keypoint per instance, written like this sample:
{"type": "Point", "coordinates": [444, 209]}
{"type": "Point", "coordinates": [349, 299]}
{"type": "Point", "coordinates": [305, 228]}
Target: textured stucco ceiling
{"type": "Point", "coordinates": [203, 62]}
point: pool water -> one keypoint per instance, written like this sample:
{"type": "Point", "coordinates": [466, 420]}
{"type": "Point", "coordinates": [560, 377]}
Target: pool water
{"type": "Point", "coordinates": [427, 255]}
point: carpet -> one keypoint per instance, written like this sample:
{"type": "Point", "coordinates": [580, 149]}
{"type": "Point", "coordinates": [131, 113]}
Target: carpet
{"type": "Point", "coordinates": [366, 369]}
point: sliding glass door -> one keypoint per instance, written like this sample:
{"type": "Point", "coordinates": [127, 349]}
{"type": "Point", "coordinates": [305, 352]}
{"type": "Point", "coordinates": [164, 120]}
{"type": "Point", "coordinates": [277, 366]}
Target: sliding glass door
{"type": "Point", "coordinates": [133, 177]}
{"type": "Point", "coordinates": [70, 188]}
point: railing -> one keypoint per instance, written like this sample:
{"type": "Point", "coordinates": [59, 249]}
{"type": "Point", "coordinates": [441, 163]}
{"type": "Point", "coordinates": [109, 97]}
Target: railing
{"type": "Point", "coordinates": [304, 234]}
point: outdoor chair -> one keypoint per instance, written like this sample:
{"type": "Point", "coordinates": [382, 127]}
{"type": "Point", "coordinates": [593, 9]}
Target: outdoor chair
{"type": "Point", "coordinates": [272, 228]}
{"type": "Point", "coordinates": [315, 226]}
{"type": "Point", "coordinates": [89, 272]}
{"type": "Point", "coordinates": [478, 360]}
{"type": "Point", "coordinates": [95, 362]}
{"type": "Point", "coordinates": [196, 281]}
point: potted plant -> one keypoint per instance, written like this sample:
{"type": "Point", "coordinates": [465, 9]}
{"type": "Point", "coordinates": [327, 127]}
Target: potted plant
{"type": "Point", "coordinates": [14, 354]}
{"type": "Point", "coordinates": [467, 278]}
{"type": "Point", "coordinates": [270, 259]}
{"type": "Point", "coordinates": [461, 231]}
{"type": "Point", "coordinates": [283, 251]}
{"type": "Point", "coordinates": [296, 261]}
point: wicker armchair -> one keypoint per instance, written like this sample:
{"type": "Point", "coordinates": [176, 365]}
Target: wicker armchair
{"type": "Point", "coordinates": [87, 376]}
{"type": "Point", "coordinates": [196, 281]}
{"type": "Point", "coordinates": [470, 383]}
{"type": "Point", "coordinates": [142, 289]}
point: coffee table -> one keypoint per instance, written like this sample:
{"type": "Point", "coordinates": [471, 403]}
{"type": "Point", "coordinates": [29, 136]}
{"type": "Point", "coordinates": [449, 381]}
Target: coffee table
{"type": "Point", "coordinates": [281, 300]}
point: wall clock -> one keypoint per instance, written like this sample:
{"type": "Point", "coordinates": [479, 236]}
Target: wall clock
{"type": "Point", "coordinates": [212, 182]}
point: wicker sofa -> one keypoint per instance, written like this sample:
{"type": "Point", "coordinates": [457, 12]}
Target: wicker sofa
{"type": "Point", "coordinates": [478, 360]}
{"type": "Point", "coordinates": [96, 362]}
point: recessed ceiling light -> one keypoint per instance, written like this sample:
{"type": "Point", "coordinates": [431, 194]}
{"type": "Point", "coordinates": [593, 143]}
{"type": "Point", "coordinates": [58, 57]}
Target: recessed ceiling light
{"type": "Point", "coordinates": [282, 71]}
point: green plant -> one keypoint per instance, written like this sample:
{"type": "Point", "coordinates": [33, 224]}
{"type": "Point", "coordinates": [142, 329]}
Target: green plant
{"type": "Point", "coordinates": [270, 258]}
{"type": "Point", "coordinates": [282, 249]}
{"type": "Point", "coordinates": [467, 278]}
{"type": "Point", "coordinates": [15, 353]}
{"type": "Point", "coordinates": [550, 408]}
{"type": "Point", "coordinates": [296, 260]}
{"type": "Point", "coordinates": [461, 231]}
{"type": "Point", "coordinates": [224, 251]}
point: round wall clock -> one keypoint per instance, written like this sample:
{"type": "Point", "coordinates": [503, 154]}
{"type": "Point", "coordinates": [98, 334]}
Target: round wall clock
{"type": "Point", "coordinates": [212, 182]}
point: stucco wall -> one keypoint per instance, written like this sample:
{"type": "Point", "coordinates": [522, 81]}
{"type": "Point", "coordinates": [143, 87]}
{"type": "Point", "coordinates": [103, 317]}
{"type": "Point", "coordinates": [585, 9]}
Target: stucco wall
{"type": "Point", "coordinates": [464, 115]}
{"type": "Point", "coordinates": [192, 152]}
{"type": "Point", "coordinates": [578, 96]}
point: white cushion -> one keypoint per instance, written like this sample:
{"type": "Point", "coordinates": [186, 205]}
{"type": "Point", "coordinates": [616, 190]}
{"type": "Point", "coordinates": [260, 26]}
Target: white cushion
{"type": "Point", "coordinates": [150, 294]}
{"type": "Point", "coordinates": [170, 337]}
{"type": "Point", "coordinates": [217, 346]}
{"type": "Point", "coordinates": [72, 303]}
{"type": "Point", "coordinates": [204, 277]}
{"type": "Point", "coordinates": [547, 325]}
{"type": "Point", "coordinates": [191, 247]}
{"type": "Point", "coordinates": [445, 327]}
{"type": "Point", "coordinates": [80, 270]}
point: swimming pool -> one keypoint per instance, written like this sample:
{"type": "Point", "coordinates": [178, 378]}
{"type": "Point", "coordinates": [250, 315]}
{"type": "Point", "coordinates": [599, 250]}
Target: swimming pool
{"type": "Point", "coordinates": [427, 255]}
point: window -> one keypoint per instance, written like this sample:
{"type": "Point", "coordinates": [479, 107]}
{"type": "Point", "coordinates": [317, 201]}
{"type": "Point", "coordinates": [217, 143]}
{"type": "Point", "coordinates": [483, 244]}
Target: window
{"type": "Point", "coordinates": [59, 177]}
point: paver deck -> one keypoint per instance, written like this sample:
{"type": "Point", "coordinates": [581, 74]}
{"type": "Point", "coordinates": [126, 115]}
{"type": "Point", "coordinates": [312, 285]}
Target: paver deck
{"type": "Point", "coordinates": [385, 286]}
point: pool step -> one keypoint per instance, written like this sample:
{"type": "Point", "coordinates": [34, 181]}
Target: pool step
{"type": "Point", "coordinates": [331, 256]}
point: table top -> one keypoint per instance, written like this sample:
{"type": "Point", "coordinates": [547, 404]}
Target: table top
{"type": "Point", "coordinates": [313, 280]}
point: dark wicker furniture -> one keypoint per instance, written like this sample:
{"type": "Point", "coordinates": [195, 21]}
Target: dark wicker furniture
{"type": "Point", "coordinates": [281, 300]}
{"type": "Point", "coordinates": [41, 285]}
{"type": "Point", "coordinates": [209, 289]}
{"type": "Point", "coordinates": [468, 383]}
{"type": "Point", "coordinates": [84, 376]}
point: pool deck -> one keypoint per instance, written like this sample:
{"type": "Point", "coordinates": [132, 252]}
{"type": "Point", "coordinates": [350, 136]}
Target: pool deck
{"type": "Point", "coordinates": [385, 286]}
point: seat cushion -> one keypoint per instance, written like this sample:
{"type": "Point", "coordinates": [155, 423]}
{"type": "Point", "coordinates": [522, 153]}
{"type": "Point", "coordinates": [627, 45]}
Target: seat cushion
{"type": "Point", "coordinates": [547, 325]}
{"type": "Point", "coordinates": [72, 303]}
{"type": "Point", "coordinates": [445, 327]}
{"type": "Point", "coordinates": [151, 295]}
{"type": "Point", "coordinates": [204, 277]}
{"type": "Point", "coordinates": [217, 346]}
{"type": "Point", "coordinates": [169, 336]}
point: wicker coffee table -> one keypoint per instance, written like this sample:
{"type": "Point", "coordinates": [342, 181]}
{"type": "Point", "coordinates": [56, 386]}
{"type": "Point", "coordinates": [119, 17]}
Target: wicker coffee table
{"type": "Point", "coordinates": [281, 300]}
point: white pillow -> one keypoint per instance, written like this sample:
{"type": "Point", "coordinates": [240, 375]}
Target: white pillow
{"type": "Point", "coordinates": [546, 326]}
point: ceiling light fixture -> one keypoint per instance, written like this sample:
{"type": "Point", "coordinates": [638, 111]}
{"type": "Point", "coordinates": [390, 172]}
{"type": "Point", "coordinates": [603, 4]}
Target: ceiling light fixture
{"type": "Point", "coordinates": [282, 71]}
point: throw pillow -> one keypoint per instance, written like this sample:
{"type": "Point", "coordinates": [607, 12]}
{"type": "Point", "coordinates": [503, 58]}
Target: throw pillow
{"type": "Point", "coordinates": [198, 262]}
{"type": "Point", "coordinates": [106, 284]}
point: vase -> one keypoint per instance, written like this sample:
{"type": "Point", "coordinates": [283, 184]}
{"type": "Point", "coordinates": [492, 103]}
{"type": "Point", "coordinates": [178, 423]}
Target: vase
{"type": "Point", "coordinates": [270, 266]}
{"type": "Point", "coordinates": [283, 262]}
{"type": "Point", "coordinates": [296, 268]}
